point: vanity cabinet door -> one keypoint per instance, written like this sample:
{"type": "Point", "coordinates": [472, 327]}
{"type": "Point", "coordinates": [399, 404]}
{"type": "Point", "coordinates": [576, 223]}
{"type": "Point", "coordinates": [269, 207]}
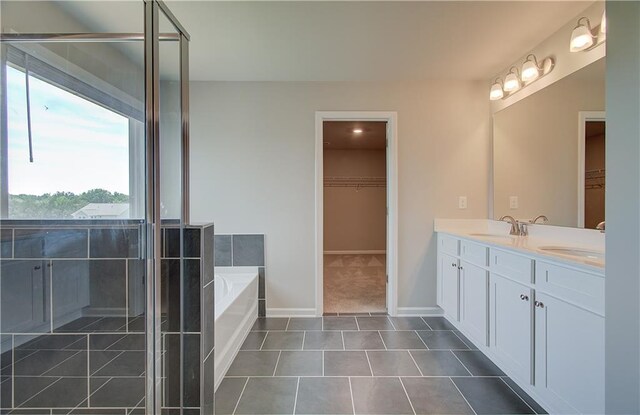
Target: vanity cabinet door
{"type": "Point", "coordinates": [23, 299]}
{"type": "Point", "coordinates": [569, 356]}
{"type": "Point", "coordinates": [449, 285]}
{"type": "Point", "coordinates": [474, 301]}
{"type": "Point", "coordinates": [511, 316]}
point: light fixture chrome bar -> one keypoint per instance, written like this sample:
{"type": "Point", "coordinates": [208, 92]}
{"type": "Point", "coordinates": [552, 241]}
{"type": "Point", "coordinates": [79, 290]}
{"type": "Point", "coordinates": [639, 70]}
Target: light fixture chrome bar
{"type": "Point", "coordinates": [81, 37]}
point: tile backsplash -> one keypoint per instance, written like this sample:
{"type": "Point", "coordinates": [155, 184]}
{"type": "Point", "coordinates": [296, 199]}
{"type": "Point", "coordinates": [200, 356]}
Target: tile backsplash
{"type": "Point", "coordinates": [244, 250]}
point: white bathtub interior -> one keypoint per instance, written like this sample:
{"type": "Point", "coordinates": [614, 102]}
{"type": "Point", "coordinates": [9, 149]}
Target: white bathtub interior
{"type": "Point", "coordinates": [236, 309]}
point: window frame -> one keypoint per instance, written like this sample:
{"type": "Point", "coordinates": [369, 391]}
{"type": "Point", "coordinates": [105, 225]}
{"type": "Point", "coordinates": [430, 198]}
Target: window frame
{"type": "Point", "coordinates": [97, 91]}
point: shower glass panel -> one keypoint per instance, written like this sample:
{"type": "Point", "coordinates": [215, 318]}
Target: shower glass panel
{"type": "Point", "coordinates": [81, 202]}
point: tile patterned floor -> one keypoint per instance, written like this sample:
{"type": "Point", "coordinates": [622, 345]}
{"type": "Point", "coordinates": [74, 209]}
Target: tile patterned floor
{"type": "Point", "coordinates": [365, 364]}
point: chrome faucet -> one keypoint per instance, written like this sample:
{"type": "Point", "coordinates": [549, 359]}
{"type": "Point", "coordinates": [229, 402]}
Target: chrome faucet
{"type": "Point", "coordinates": [535, 220]}
{"type": "Point", "coordinates": [600, 227]}
{"type": "Point", "coordinates": [514, 224]}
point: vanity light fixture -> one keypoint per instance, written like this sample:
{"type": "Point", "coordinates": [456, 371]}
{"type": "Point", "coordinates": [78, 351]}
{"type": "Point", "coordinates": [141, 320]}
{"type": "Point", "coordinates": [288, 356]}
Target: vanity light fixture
{"type": "Point", "coordinates": [532, 70]}
{"type": "Point", "coordinates": [357, 130]}
{"type": "Point", "coordinates": [603, 25]}
{"type": "Point", "coordinates": [496, 90]}
{"type": "Point", "coordinates": [582, 36]}
{"type": "Point", "coordinates": [512, 81]}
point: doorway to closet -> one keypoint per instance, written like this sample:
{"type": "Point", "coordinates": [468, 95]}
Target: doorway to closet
{"type": "Point", "coordinates": [354, 217]}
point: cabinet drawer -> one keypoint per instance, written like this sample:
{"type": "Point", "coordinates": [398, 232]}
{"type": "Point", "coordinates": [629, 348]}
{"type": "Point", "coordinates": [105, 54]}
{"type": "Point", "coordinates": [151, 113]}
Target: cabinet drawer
{"type": "Point", "coordinates": [580, 288]}
{"type": "Point", "coordinates": [474, 253]}
{"type": "Point", "coordinates": [516, 267]}
{"type": "Point", "coordinates": [448, 244]}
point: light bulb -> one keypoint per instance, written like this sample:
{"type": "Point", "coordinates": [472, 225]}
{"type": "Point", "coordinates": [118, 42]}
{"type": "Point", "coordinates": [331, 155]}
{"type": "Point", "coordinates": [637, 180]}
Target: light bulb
{"type": "Point", "coordinates": [511, 82]}
{"type": "Point", "coordinates": [581, 37]}
{"type": "Point", "coordinates": [496, 92]}
{"type": "Point", "coordinates": [530, 70]}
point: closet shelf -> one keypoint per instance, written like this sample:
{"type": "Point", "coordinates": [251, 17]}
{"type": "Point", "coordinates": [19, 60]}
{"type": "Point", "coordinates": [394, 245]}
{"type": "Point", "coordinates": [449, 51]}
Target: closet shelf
{"type": "Point", "coordinates": [357, 182]}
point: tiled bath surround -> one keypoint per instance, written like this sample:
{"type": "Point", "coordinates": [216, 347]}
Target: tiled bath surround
{"type": "Point", "coordinates": [242, 250]}
{"type": "Point", "coordinates": [188, 329]}
{"type": "Point", "coordinates": [79, 342]}
{"type": "Point", "coordinates": [72, 319]}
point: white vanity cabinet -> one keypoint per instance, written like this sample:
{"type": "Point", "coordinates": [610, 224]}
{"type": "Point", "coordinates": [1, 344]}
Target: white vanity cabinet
{"type": "Point", "coordinates": [448, 277]}
{"type": "Point", "coordinates": [540, 321]}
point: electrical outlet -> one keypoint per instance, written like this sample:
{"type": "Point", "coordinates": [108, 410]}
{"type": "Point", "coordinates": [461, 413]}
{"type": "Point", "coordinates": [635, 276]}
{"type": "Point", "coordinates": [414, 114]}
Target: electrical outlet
{"type": "Point", "coordinates": [513, 202]}
{"type": "Point", "coordinates": [462, 202]}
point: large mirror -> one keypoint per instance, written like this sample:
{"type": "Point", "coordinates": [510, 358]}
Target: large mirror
{"type": "Point", "coordinates": [548, 152]}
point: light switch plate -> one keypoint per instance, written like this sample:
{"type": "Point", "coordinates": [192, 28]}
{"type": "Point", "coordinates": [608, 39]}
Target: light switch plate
{"type": "Point", "coordinates": [513, 202]}
{"type": "Point", "coordinates": [462, 202]}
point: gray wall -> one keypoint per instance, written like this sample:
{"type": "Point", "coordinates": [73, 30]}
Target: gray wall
{"type": "Point", "coordinates": [623, 209]}
{"type": "Point", "coordinates": [253, 169]}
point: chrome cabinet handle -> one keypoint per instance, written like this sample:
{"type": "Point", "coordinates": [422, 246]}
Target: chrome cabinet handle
{"type": "Point", "coordinates": [37, 267]}
{"type": "Point", "coordinates": [460, 267]}
{"type": "Point", "coordinates": [539, 304]}
{"type": "Point", "coordinates": [454, 265]}
{"type": "Point", "coordinates": [524, 297]}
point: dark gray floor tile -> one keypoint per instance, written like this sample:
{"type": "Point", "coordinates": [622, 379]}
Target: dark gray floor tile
{"type": "Point", "coordinates": [270, 323]}
{"type": "Point", "coordinates": [299, 363]}
{"type": "Point", "coordinates": [28, 363]}
{"type": "Point", "coordinates": [54, 342]}
{"type": "Point", "coordinates": [362, 340]}
{"type": "Point", "coordinates": [438, 363]}
{"type": "Point", "coordinates": [379, 396]}
{"type": "Point", "coordinates": [478, 364]}
{"type": "Point", "coordinates": [77, 325]}
{"type": "Point", "coordinates": [305, 323]}
{"type": "Point", "coordinates": [324, 396]}
{"type": "Point", "coordinates": [100, 358]}
{"type": "Point", "coordinates": [65, 393]}
{"type": "Point", "coordinates": [130, 342]}
{"type": "Point", "coordinates": [438, 323]}
{"type": "Point", "coordinates": [323, 340]}
{"type": "Point", "coordinates": [119, 393]}
{"type": "Point", "coordinates": [250, 363]}
{"type": "Point", "coordinates": [435, 396]}
{"type": "Point", "coordinates": [466, 341]}
{"type": "Point", "coordinates": [379, 313]}
{"type": "Point", "coordinates": [283, 340]}
{"type": "Point", "coordinates": [347, 363]}
{"type": "Point", "coordinates": [26, 387]}
{"type": "Point", "coordinates": [442, 340]}
{"type": "Point", "coordinates": [525, 397]}
{"type": "Point", "coordinates": [408, 323]}
{"type": "Point", "coordinates": [268, 396]}
{"type": "Point", "coordinates": [339, 323]}
{"type": "Point", "coordinates": [104, 341]}
{"type": "Point", "coordinates": [254, 340]}
{"type": "Point", "coordinates": [76, 365]}
{"type": "Point", "coordinates": [126, 364]}
{"type": "Point", "coordinates": [403, 340]}
{"type": "Point", "coordinates": [491, 396]}
{"type": "Point", "coordinates": [107, 324]}
{"type": "Point", "coordinates": [392, 363]}
{"type": "Point", "coordinates": [374, 323]}
{"type": "Point", "coordinates": [228, 394]}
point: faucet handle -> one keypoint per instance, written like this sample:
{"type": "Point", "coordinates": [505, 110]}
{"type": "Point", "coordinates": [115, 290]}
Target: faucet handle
{"type": "Point", "coordinates": [522, 229]}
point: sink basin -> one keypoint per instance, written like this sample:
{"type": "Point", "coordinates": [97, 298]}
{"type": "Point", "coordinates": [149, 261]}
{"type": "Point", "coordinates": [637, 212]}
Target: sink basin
{"type": "Point", "coordinates": [495, 236]}
{"type": "Point", "coordinates": [575, 252]}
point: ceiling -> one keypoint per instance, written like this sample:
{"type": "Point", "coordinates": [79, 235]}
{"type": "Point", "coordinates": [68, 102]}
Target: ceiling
{"type": "Point", "coordinates": [339, 135]}
{"type": "Point", "coordinates": [350, 40]}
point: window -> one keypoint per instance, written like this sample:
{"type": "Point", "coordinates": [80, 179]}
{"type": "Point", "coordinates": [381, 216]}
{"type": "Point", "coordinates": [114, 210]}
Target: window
{"type": "Point", "coordinates": [77, 163]}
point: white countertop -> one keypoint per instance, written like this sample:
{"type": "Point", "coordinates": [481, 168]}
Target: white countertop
{"type": "Point", "coordinates": [539, 236]}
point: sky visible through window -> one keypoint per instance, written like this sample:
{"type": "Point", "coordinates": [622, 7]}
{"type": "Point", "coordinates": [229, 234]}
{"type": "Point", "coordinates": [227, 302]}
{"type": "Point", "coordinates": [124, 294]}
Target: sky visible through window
{"type": "Point", "coordinates": [77, 145]}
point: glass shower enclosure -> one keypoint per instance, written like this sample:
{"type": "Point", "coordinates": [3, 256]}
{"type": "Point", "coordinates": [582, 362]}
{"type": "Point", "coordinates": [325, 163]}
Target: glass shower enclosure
{"type": "Point", "coordinates": [94, 212]}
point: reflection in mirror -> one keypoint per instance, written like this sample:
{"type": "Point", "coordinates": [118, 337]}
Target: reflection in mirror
{"type": "Point", "coordinates": [548, 152]}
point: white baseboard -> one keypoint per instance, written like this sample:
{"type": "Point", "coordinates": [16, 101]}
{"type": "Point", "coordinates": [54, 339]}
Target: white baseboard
{"type": "Point", "coordinates": [291, 312]}
{"type": "Point", "coordinates": [419, 311]}
{"type": "Point", "coordinates": [357, 252]}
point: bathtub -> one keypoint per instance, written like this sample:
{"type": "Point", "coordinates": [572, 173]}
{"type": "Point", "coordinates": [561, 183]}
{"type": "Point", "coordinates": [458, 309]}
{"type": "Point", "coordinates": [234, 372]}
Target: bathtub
{"type": "Point", "coordinates": [236, 309]}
